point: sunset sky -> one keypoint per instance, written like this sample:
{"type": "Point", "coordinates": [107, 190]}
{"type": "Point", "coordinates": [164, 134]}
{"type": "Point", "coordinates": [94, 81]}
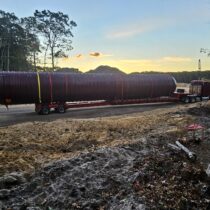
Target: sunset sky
{"type": "Point", "coordinates": [135, 35]}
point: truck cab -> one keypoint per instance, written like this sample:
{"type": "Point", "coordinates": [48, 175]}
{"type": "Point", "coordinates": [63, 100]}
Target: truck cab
{"type": "Point", "coordinates": [200, 88]}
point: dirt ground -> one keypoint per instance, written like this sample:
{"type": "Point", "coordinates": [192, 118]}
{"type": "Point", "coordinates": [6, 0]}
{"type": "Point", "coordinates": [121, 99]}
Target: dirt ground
{"type": "Point", "coordinates": [26, 146]}
{"type": "Point", "coordinates": [120, 162]}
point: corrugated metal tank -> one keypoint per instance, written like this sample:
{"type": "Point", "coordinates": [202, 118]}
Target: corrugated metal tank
{"type": "Point", "coordinates": [45, 87]}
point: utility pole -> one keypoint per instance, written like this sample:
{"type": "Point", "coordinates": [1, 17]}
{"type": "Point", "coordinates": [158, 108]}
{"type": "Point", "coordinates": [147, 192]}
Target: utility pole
{"type": "Point", "coordinates": [8, 56]}
{"type": "Point", "coordinates": [34, 53]}
{"type": "Point", "coordinates": [8, 48]}
{"type": "Point", "coordinates": [199, 65]}
{"type": "Point", "coordinates": [199, 69]}
{"type": "Point", "coordinates": [205, 51]}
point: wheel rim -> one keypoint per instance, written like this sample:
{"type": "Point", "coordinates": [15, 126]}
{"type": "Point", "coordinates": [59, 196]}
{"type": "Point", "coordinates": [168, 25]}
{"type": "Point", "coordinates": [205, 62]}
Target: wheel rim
{"type": "Point", "coordinates": [45, 111]}
{"type": "Point", "coordinates": [61, 109]}
{"type": "Point", "coordinates": [186, 100]}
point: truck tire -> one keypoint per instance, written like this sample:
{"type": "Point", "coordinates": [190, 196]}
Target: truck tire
{"type": "Point", "coordinates": [45, 110]}
{"type": "Point", "coordinates": [197, 99]}
{"type": "Point", "coordinates": [186, 100]}
{"type": "Point", "coordinates": [61, 109]}
{"type": "Point", "coordinates": [38, 110]}
{"type": "Point", "coordinates": [192, 100]}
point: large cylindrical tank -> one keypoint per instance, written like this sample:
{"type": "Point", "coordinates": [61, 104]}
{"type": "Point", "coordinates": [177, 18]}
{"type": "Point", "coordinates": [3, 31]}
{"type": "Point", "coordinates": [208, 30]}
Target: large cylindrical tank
{"type": "Point", "coordinates": [46, 87]}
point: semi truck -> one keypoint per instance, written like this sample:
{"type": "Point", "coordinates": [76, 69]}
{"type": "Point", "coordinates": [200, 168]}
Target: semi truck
{"type": "Point", "coordinates": [198, 91]}
{"type": "Point", "coordinates": [61, 91]}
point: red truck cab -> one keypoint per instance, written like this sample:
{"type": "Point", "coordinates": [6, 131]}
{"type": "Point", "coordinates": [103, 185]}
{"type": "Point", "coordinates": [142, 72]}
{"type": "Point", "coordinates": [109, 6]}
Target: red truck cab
{"type": "Point", "coordinates": [200, 88]}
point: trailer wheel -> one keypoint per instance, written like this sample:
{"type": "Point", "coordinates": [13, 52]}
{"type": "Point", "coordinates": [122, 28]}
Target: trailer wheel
{"type": "Point", "coordinates": [197, 99]}
{"type": "Point", "coordinates": [45, 110]}
{"type": "Point", "coordinates": [61, 109]}
{"type": "Point", "coordinates": [186, 100]}
{"type": "Point", "coordinates": [38, 110]}
{"type": "Point", "coordinates": [192, 100]}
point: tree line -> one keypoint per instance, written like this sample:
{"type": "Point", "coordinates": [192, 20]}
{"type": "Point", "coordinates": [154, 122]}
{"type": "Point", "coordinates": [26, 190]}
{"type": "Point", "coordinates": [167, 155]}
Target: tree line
{"type": "Point", "coordinates": [187, 76]}
{"type": "Point", "coordinates": [28, 43]}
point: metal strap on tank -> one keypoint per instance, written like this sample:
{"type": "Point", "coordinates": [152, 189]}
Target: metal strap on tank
{"type": "Point", "coordinates": [39, 87]}
{"type": "Point", "coordinates": [66, 84]}
{"type": "Point", "coordinates": [3, 82]}
{"type": "Point", "coordinates": [50, 79]}
{"type": "Point", "coordinates": [122, 86]}
{"type": "Point", "coordinates": [152, 87]}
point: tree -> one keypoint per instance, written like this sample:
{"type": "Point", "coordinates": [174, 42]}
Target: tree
{"type": "Point", "coordinates": [32, 40]}
{"type": "Point", "coordinates": [56, 28]}
{"type": "Point", "coordinates": [8, 27]}
{"type": "Point", "coordinates": [15, 42]}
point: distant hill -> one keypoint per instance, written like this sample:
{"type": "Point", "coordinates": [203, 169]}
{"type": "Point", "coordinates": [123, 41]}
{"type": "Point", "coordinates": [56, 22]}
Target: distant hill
{"type": "Point", "coordinates": [68, 70]}
{"type": "Point", "coordinates": [147, 72]}
{"type": "Point", "coordinates": [187, 76]}
{"type": "Point", "coordinates": [106, 69]}
{"type": "Point", "coordinates": [182, 77]}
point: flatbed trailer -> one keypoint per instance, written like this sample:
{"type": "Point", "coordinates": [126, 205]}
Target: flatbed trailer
{"type": "Point", "coordinates": [198, 92]}
{"type": "Point", "coordinates": [53, 90]}
{"type": "Point", "coordinates": [62, 107]}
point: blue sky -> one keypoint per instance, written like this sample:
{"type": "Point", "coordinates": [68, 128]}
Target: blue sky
{"type": "Point", "coordinates": [135, 35]}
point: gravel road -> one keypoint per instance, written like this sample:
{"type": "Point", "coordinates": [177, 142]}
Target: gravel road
{"type": "Point", "coordinates": [25, 113]}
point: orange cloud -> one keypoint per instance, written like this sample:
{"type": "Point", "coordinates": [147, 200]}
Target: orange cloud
{"type": "Point", "coordinates": [95, 54]}
{"type": "Point", "coordinates": [177, 59]}
{"type": "Point", "coordinates": [79, 56]}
